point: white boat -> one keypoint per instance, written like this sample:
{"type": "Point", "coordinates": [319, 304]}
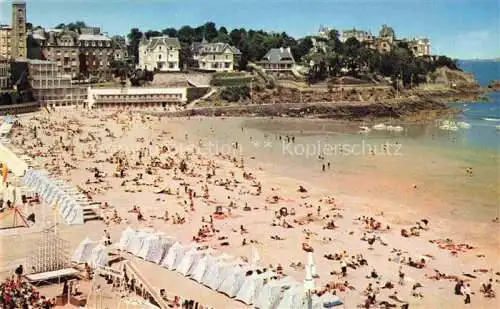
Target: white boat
{"type": "Point", "coordinates": [397, 129]}
{"type": "Point", "coordinates": [463, 125]}
{"type": "Point", "coordinates": [498, 128]}
{"type": "Point", "coordinates": [379, 127]}
{"type": "Point", "coordinates": [364, 129]}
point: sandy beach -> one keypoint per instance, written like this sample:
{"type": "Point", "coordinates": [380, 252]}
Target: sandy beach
{"type": "Point", "coordinates": [159, 168]}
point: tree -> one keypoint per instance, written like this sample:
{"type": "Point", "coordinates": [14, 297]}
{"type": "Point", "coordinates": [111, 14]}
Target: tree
{"type": "Point", "coordinates": [302, 48]}
{"type": "Point", "coordinates": [223, 30]}
{"type": "Point", "coordinates": [152, 33]}
{"type": "Point", "coordinates": [210, 31]}
{"type": "Point", "coordinates": [134, 38]}
{"type": "Point", "coordinates": [186, 34]}
{"type": "Point", "coordinates": [352, 55]}
{"type": "Point", "coordinates": [171, 32]}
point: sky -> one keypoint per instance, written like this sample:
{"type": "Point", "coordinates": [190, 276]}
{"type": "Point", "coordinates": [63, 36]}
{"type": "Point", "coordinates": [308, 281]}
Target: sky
{"type": "Point", "coordinates": [464, 29]}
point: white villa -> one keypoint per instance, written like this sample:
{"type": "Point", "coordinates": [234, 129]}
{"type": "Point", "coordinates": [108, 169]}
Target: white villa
{"type": "Point", "coordinates": [159, 54]}
{"type": "Point", "coordinates": [219, 57]}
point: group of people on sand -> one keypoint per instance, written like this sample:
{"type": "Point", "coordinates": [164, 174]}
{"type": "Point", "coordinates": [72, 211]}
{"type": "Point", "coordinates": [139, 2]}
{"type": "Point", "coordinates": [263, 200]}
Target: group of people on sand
{"type": "Point", "coordinates": [16, 293]}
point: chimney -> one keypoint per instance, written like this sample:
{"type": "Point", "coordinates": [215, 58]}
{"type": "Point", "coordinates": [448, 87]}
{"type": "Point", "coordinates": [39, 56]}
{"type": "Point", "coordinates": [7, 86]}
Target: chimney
{"type": "Point", "coordinates": [288, 48]}
{"type": "Point", "coordinates": [281, 49]}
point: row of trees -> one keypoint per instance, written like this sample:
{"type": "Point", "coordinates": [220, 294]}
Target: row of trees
{"type": "Point", "coordinates": [253, 44]}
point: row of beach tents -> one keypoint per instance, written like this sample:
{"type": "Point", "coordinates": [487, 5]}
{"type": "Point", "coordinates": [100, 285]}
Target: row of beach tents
{"type": "Point", "coordinates": [54, 191]}
{"type": "Point", "coordinates": [221, 272]}
{"type": "Point", "coordinates": [92, 252]}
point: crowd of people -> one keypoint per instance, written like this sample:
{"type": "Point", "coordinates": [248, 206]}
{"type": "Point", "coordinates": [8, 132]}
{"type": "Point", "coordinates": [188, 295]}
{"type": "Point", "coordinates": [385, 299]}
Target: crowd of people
{"type": "Point", "coordinates": [221, 202]}
{"type": "Point", "coordinates": [16, 293]}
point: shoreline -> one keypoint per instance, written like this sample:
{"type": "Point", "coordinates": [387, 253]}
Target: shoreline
{"type": "Point", "coordinates": [413, 106]}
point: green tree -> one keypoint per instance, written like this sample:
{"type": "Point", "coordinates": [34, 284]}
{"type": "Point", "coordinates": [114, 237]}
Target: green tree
{"type": "Point", "coordinates": [171, 32]}
{"type": "Point", "coordinates": [134, 38]}
{"type": "Point", "coordinates": [352, 53]}
{"type": "Point", "coordinates": [152, 34]}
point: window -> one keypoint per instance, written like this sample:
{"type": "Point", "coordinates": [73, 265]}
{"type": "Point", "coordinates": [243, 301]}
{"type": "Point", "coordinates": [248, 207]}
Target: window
{"type": "Point", "coordinates": [159, 57]}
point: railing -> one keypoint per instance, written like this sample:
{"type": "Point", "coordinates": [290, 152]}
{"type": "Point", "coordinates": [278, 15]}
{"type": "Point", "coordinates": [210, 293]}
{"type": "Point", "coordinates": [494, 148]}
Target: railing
{"type": "Point", "coordinates": [137, 100]}
{"type": "Point", "coordinates": [145, 283]}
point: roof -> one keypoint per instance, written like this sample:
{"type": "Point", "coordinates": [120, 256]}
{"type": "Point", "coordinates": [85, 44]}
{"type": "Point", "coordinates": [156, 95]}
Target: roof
{"type": "Point", "coordinates": [38, 36]}
{"type": "Point", "coordinates": [161, 40]}
{"type": "Point", "coordinates": [278, 55]}
{"type": "Point", "coordinates": [217, 48]}
{"type": "Point", "coordinates": [93, 37]}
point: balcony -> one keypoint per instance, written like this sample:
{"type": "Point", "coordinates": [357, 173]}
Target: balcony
{"type": "Point", "coordinates": [121, 99]}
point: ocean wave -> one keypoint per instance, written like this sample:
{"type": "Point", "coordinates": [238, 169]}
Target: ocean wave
{"type": "Point", "coordinates": [491, 119]}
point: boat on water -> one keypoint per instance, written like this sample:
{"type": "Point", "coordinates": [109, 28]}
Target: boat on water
{"type": "Point", "coordinates": [364, 129]}
{"type": "Point", "coordinates": [498, 128]}
{"type": "Point", "coordinates": [395, 128]}
{"type": "Point", "coordinates": [463, 125]}
{"type": "Point", "coordinates": [379, 127]}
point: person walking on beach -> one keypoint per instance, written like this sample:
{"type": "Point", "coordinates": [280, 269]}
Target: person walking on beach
{"type": "Point", "coordinates": [466, 291]}
{"type": "Point", "coordinates": [401, 276]}
{"type": "Point", "coordinates": [343, 268]}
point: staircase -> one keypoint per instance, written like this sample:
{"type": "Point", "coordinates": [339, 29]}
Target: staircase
{"type": "Point", "coordinates": [147, 286]}
{"type": "Point", "coordinates": [90, 213]}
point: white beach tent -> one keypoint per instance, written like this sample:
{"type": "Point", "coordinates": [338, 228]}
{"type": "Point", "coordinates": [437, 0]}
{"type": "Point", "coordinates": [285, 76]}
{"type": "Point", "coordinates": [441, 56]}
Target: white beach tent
{"type": "Point", "coordinates": [154, 247]}
{"type": "Point", "coordinates": [217, 273]}
{"type": "Point", "coordinates": [137, 241]}
{"type": "Point", "coordinates": [293, 298]}
{"type": "Point", "coordinates": [83, 251]}
{"type": "Point", "coordinates": [126, 238]}
{"type": "Point", "coordinates": [99, 256]}
{"type": "Point", "coordinates": [270, 293]}
{"type": "Point", "coordinates": [251, 287]}
{"type": "Point", "coordinates": [213, 269]}
{"type": "Point", "coordinates": [190, 260]}
{"type": "Point", "coordinates": [174, 256]}
{"type": "Point", "coordinates": [232, 283]}
{"type": "Point", "coordinates": [203, 264]}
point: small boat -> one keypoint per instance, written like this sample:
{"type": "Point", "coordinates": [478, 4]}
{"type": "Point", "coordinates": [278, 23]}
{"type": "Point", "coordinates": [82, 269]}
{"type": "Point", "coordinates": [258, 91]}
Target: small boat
{"type": "Point", "coordinates": [394, 128]}
{"type": "Point", "coordinates": [463, 125]}
{"type": "Point", "coordinates": [364, 129]}
{"type": "Point", "coordinates": [498, 128]}
{"type": "Point", "coordinates": [379, 127]}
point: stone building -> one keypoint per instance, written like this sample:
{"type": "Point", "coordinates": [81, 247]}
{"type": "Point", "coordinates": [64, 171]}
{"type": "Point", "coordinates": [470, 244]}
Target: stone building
{"type": "Point", "coordinates": [420, 47]}
{"type": "Point", "coordinates": [79, 53]}
{"type": "Point", "coordinates": [18, 37]}
{"type": "Point", "coordinates": [96, 54]}
{"type": "Point", "coordinates": [159, 54]}
{"type": "Point", "coordinates": [219, 57]}
{"type": "Point", "coordinates": [4, 73]}
{"type": "Point", "coordinates": [51, 87]}
{"type": "Point", "coordinates": [5, 40]}
{"type": "Point", "coordinates": [360, 35]}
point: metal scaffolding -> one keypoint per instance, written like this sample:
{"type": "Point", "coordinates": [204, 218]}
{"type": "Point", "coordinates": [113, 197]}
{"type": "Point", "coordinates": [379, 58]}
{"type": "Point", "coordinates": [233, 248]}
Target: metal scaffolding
{"type": "Point", "coordinates": [51, 253]}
